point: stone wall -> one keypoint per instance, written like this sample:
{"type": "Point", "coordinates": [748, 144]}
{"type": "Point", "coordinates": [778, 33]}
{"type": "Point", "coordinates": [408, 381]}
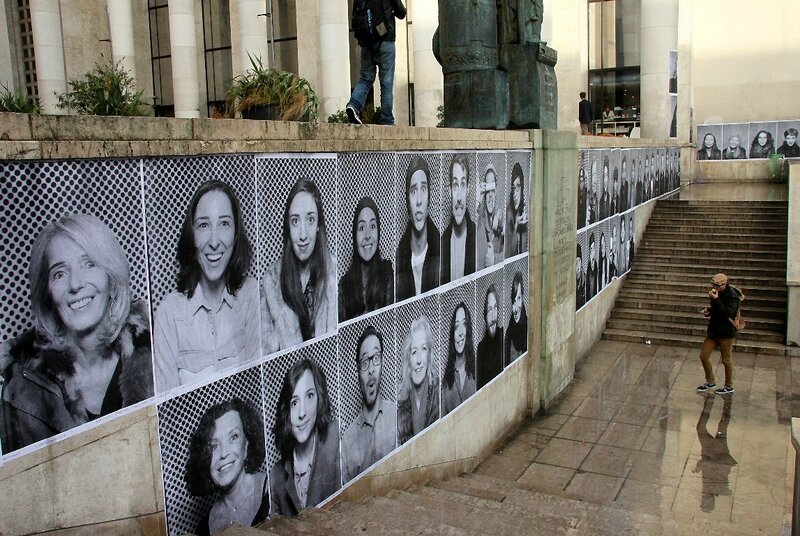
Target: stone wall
{"type": "Point", "coordinates": [793, 258]}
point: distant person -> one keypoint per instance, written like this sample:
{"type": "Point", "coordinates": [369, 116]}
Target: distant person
{"type": "Point", "coordinates": [709, 150]}
{"type": "Point", "coordinates": [584, 114]}
{"type": "Point", "coordinates": [734, 150]}
{"type": "Point", "coordinates": [608, 114]}
{"type": "Point", "coordinates": [723, 305]}
{"type": "Point", "coordinates": [489, 234]}
{"type": "Point", "coordinates": [490, 349]}
{"type": "Point", "coordinates": [458, 239]}
{"type": "Point", "coordinates": [789, 148]}
{"type": "Point", "coordinates": [762, 145]}
{"type": "Point", "coordinates": [377, 52]}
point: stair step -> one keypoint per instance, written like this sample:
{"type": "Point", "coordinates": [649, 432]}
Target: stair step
{"type": "Point", "coordinates": [693, 318]}
{"type": "Point", "coordinates": [706, 269]}
{"type": "Point", "coordinates": [380, 516]}
{"type": "Point", "coordinates": [681, 304]}
{"type": "Point", "coordinates": [655, 296]}
{"type": "Point", "coordinates": [640, 280]}
{"type": "Point", "coordinates": [666, 327]}
{"type": "Point", "coordinates": [735, 262]}
{"type": "Point", "coordinates": [677, 277]}
{"type": "Point", "coordinates": [688, 341]}
{"type": "Point", "coordinates": [283, 525]}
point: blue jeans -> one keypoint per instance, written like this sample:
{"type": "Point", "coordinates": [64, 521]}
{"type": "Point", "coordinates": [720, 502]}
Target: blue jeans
{"type": "Point", "coordinates": [380, 55]}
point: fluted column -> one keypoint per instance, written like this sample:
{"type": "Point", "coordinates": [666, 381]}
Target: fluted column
{"type": "Point", "coordinates": [48, 49]}
{"type": "Point", "coordinates": [334, 56]}
{"type": "Point", "coordinates": [428, 79]}
{"type": "Point", "coordinates": [183, 45]}
{"type": "Point", "coordinates": [252, 36]}
{"type": "Point", "coordinates": [120, 24]}
{"type": "Point", "coordinates": [659, 35]}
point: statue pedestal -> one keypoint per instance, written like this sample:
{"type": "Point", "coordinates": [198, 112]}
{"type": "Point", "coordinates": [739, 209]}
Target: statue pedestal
{"type": "Point", "coordinates": [532, 85]}
{"type": "Point", "coordinates": [476, 99]}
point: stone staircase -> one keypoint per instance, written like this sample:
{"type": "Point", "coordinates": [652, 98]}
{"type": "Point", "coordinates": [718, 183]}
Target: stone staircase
{"type": "Point", "coordinates": [685, 243]}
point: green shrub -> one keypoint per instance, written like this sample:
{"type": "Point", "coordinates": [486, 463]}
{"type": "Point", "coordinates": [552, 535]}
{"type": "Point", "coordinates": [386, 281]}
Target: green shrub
{"type": "Point", "coordinates": [370, 116]}
{"type": "Point", "coordinates": [108, 89]}
{"type": "Point", "coordinates": [17, 102]}
{"type": "Point", "coordinates": [339, 117]}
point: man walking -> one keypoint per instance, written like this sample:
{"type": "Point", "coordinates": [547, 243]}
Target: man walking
{"type": "Point", "coordinates": [724, 304]}
{"type": "Point", "coordinates": [376, 38]}
{"type": "Point", "coordinates": [584, 114]}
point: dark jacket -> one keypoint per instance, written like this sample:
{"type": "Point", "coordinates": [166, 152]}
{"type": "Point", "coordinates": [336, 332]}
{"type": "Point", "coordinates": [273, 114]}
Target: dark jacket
{"type": "Point", "coordinates": [789, 151]}
{"type": "Point", "coordinates": [353, 300]}
{"type": "Point", "coordinates": [469, 254]}
{"type": "Point", "coordinates": [35, 402]}
{"type": "Point", "coordinates": [722, 310]}
{"type": "Point", "coordinates": [516, 342]}
{"type": "Point", "coordinates": [430, 269]}
{"type": "Point", "coordinates": [584, 112]}
{"type": "Point", "coordinates": [709, 154]}
{"type": "Point", "coordinates": [490, 357]}
{"type": "Point", "coordinates": [391, 9]}
{"type": "Point", "coordinates": [734, 154]}
{"type": "Point", "coordinates": [405, 422]}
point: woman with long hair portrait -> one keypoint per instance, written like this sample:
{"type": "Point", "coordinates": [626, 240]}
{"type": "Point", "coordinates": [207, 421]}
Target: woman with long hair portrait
{"type": "Point", "coordinates": [307, 438]}
{"type": "Point", "coordinates": [211, 322]}
{"type": "Point", "coordinates": [517, 330]}
{"type": "Point", "coordinates": [368, 283]}
{"type": "Point", "coordinates": [762, 145]}
{"type": "Point", "coordinates": [516, 235]}
{"type": "Point", "coordinates": [299, 289]}
{"type": "Point", "coordinates": [88, 353]}
{"type": "Point", "coordinates": [418, 394]}
{"type": "Point", "coordinates": [709, 149]}
{"type": "Point", "coordinates": [226, 452]}
{"type": "Point", "coordinates": [459, 372]}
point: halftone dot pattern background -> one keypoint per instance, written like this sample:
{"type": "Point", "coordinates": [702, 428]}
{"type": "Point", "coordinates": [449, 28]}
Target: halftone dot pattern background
{"type": "Point", "coordinates": [524, 159]}
{"type": "Point", "coordinates": [435, 190]}
{"type": "Point", "coordinates": [449, 301]}
{"type": "Point", "coordinates": [481, 287]}
{"type": "Point", "coordinates": [520, 264]}
{"type": "Point", "coordinates": [472, 188]}
{"type": "Point", "coordinates": [583, 242]}
{"type": "Point", "coordinates": [178, 418]}
{"type": "Point", "coordinates": [36, 193]}
{"type": "Point", "coordinates": [169, 184]}
{"type": "Point", "coordinates": [276, 174]}
{"type": "Point", "coordinates": [614, 159]}
{"type": "Point", "coordinates": [372, 175]}
{"type": "Point", "coordinates": [498, 161]}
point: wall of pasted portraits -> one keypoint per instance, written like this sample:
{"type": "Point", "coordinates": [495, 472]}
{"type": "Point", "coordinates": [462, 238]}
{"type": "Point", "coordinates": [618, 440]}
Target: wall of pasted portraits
{"type": "Point", "coordinates": [612, 183]}
{"type": "Point", "coordinates": [295, 317]}
{"type": "Point", "coordinates": [737, 141]}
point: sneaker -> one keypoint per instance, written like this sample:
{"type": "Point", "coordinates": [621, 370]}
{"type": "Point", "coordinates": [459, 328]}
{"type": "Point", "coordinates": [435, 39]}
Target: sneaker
{"type": "Point", "coordinates": [706, 386]}
{"type": "Point", "coordinates": [724, 391]}
{"type": "Point", "coordinates": [352, 115]}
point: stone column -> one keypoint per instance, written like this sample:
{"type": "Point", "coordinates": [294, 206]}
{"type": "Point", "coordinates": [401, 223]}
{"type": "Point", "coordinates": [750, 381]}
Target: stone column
{"type": "Point", "coordinates": [428, 79]}
{"type": "Point", "coordinates": [401, 75]}
{"type": "Point", "coordinates": [334, 56]}
{"type": "Point", "coordinates": [659, 35]}
{"type": "Point", "coordinates": [308, 45]}
{"type": "Point", "coordinates": [685, 30]}
{"type": "Point", "coordinates": [183, 45]}
{"type": "Point", "coordinates": [252, 34]}
{"type": "Point", "coordinates": [48, 49]}
{"type": "Point", "coordinates": [120, 24]}
{"type": "Point", "coordinates": [793, 260]}
{"type": "Point", "coordinates": [568, 33]}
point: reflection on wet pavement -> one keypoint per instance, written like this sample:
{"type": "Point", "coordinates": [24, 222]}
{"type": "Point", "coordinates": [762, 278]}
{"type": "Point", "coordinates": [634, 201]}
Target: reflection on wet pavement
{"type": "Point", "coordinates": [631, 432]}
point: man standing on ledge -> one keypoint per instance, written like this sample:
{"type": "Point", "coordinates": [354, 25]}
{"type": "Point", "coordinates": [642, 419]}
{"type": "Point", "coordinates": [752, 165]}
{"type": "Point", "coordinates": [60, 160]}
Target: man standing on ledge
{"type": "Point", "coordinates": [724, 303]}
{"type": "Point", "coordinates": [377, 50]}
{"type": "Point", "coordinates": [584, 114]}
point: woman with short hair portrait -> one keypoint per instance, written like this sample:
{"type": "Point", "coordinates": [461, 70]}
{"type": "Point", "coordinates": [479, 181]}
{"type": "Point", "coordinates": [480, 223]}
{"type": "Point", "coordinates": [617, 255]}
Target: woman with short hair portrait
{"type": "Point", "coordinates": [762, 145]}
{"type": "Point", "coordinates": [299, 289]}
{"type": "Point", "coordinates": [88, 353]}
{"type": "Point", "coordinates": [709, 149]}
{"type": "Point", "coordinates": [307, 438]}
{"type": "Point", "coordinates": [368, 283]}
{"type": "Point", "coordinates": [418, 394]}
{"type": "Point", "coordinates": [516, 235]}
{"type": "Point", "coordinates": [226, 452]}
{"type": "Point", "coordinates": [789, 147]}
{"type": "Point", "coordinates": [517, 330]}
{"type": "Point", "coordinates": [734, 150]}
{"type": "Point", "coordinates": [489, 240]}
{"type": "Point", "coordinates": [211, 322]}
{"type": "Point", "coordinates": [459, 382]}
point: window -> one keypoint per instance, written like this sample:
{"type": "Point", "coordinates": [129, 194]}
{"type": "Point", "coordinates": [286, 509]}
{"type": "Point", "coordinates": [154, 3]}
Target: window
{"type": "Point", "coordinates": [217, 46]}
{"type": "Point", "coordinates": [28, 60]}
{"type": "Point", "coordinates": [161, 59]}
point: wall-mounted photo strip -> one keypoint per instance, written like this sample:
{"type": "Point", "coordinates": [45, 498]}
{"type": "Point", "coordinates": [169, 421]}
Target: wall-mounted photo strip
{"type": "Point", "coordinates": [301, 390]}
{"type": "Point", "coordinates": [75, 289]}
{"type": "Point", "coordinates": [581, 269]}
{"type": "Point", "coordinates": [751, 140]}
{"type": "Point", "coordinates": [369, 366]}
{"type": "Point", "coordinates": [735, 141]}
{"type": "Point", "coordinates": [594, 186]}
{"type": "Point", "coordinates": [673, 108]}
{"type": "Point", "coordinates": [419, 223]}
{"type": "Point", "coordinates": [584, 187]}
{"type": "Point", "coordinates": [515, 308]}
{"type": "Point", "coordinates": [457, 341]}
{"type": "Point", "coordinates": [213, 456]}
{"type": "Point", "coordinates": [489, 327]}
{"type": "Point", "coordinates": [368, 231]}
{"type": "Point", "coordinates": [418, 395]}
{"type": "Point", "coordinates": [297, 242]}
{"type": "Point", "coordinates": [787, 142]}
{"type": "Point", "coordinates": [519, 202]}
{"type": "Point", "coordinates": [201, 238]}
{"type": "Point", "coordinates": [459, 213]}
{"type": "Point", "coordinates": [707, 142]}
{"type": "Point", "coordinates": [492, 187]}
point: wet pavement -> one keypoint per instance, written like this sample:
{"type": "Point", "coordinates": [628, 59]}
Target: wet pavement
{"type": "Point", "coordinates": [632, 432]}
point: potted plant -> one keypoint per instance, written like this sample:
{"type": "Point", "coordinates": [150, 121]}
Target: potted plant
{"type": "Point", "coordinates": [17, 102]}
{"type": "Point", "coordinates": [108, 89]}
{"type": "Point", "coordinates": [265, 93]}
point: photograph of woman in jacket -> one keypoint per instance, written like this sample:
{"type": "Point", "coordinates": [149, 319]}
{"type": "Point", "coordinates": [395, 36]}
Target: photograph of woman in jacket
{"type": "Point", "coordinates": [762, 145]}
{"type": "Point", "coordinates": [368, 283]}
{"type": "Point", "coordinates": [88, 353]}
{"type": "Point", "coordinates": [418, 393]}
{"type": "Point", "coordinates": [459, 382]}
{"type": "Point", "coordinates": [307, 438]}
{"type": "Point", "coordinates": [211, 323]}
{"type": "Point", "coordinates": [516, 235]}
{"type": "Point", "coordinates": [299, 289]}
{"type": "Point", "coordinates": [226, 452]}
{"type": "Point", "coordinates": [517, 330]}
{"type": "Point", "coordinates": [709, 149]}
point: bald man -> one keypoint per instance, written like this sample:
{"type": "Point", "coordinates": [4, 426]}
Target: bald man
{"type": "Point", "coordinates": [723, 305]}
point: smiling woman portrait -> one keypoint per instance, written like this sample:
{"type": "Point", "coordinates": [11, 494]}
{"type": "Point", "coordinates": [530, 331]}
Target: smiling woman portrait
{"type": "Point", "coordinates": [211, 323]}
{"type": "Point", "coordinates": [418, 394]}
{"type": "Point", "coordinates": [88, 353]}
{"type": "Point", "coordinates": [225, 454]}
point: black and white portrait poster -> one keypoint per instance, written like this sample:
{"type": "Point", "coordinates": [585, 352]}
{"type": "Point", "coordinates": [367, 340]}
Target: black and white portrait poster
{"type": "Point", "coordinates": [592, 265]}
{"type": "Point", "coordinates": [298, 236]}
{"type": "Point", "coordinates": [581, 267]}
{"type": "Point", "coordinates": [418, 395]}
{"type": "Point", "coordinates": [763, 139]}
{"type": "Point", "coordinates": [673, 114]}
{"type": "Point", "coordinates": [301, 394]}
{"type": "Point", "coordinates": [212, 442]}
{"type": "Point", "coordinates": [518, 205]}
{"type": "Point", "coordinates": [787, 142]}
{"type": "Point", "coordinates": [605, 273]}
{"type": "Point", "coordinates": [459, 212]}
{"type": "Point", "coordinates": [369, 367]}
{"type": "Point", "coordinates": [594, 185]}
{"type": "Point", "coordinates": [735, 141]}
{"type": "Point", "coordinates": [584, 187]}
{"type": "Point", "coordinates": [515, 304]}
{"type": "Point", "coordinates": [201, 233]}
{"type": "Point", "coordinates": [615, 182]}
{"type": "Point", "coordinates": [368, 231]}
{"type": "Point", "coordinates": [74, 264]}
{"type": "Point", "coordinates": [457, 340]}
{"type": "Point", "coordinates": [673, 72]}
{"type": "Point", "coordinates": [492, 187]}
{"type": "Point", "coordinates": [708, 144]}
{"type": "Point", "coordinates": [489, 326]}
{"type": "Point", "coordinates": [420, 223]}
